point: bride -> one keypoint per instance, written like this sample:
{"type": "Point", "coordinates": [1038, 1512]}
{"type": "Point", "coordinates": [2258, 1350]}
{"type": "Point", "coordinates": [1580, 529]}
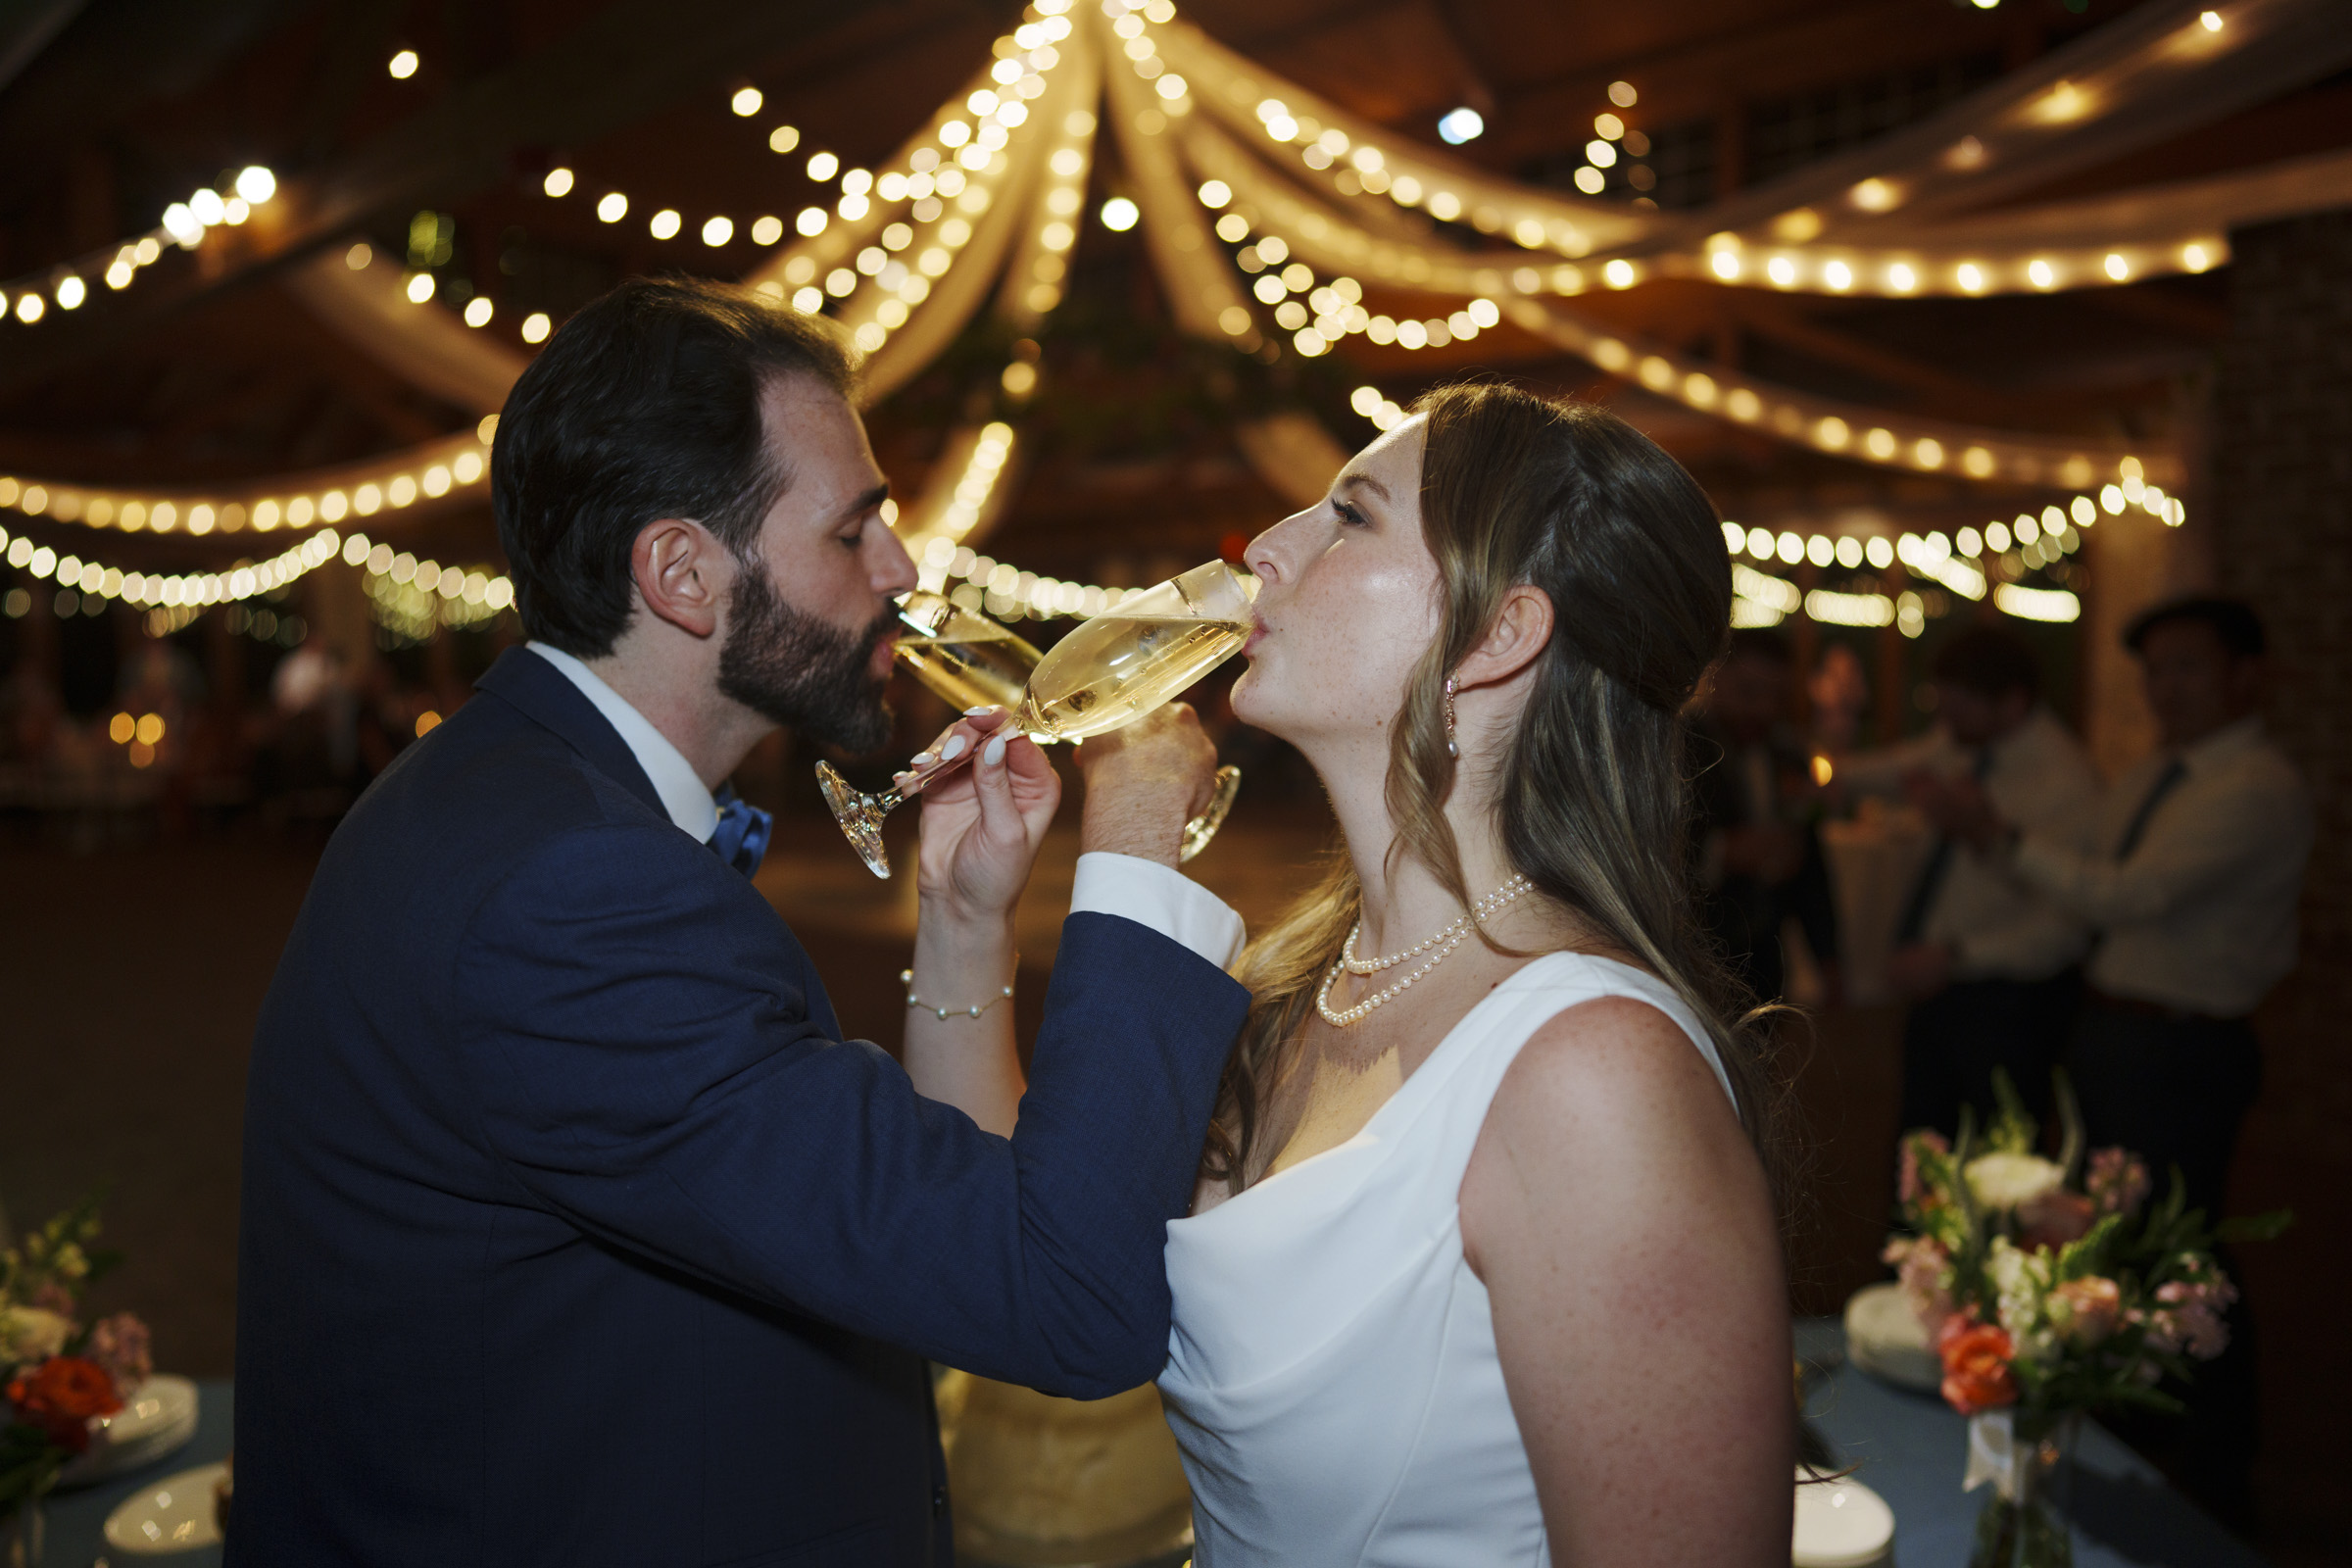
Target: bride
{"type": "Point", "coordinates": [1483, 1266]}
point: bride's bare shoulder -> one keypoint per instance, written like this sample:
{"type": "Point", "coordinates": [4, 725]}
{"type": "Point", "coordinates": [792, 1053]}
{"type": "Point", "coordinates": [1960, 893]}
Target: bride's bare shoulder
{"type": "Point", "coordinates": [1609, 1097]}
{"type": "Point", "coordinates": [1612, 1056]}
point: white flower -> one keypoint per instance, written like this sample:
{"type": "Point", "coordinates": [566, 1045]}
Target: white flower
{"type": "Point", "coordinates": [2022, 1280]}
{"type": "Point", "coordinates": [2008, 1181]}
{"type": "Point", "coordinates": [29, 1335]}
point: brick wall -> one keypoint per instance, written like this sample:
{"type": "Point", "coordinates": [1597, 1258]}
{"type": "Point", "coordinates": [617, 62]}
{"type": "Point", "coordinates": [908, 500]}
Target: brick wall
{"type": "Point", "coordinates": [2282, 501]}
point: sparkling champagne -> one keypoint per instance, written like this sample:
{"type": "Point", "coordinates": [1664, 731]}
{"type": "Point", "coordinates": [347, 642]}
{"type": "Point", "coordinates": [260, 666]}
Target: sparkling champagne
{"type": "Point", "coordinates": [1114, 668]}
{"type": "Point", "coordinates": [971, 662]}
{"type": "Point", "coordinates": [1107, 672]}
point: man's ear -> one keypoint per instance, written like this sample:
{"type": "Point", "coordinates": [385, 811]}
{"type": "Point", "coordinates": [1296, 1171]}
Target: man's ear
{"type": "Point", "coordinates": [1520, 630]}
{"type": "Point", "coordinates": [682, 574]}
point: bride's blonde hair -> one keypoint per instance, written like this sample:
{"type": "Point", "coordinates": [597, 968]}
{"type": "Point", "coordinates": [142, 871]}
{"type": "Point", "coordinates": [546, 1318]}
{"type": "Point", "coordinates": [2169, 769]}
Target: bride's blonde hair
{"type": "Point", "coordinates": [1594, 798]}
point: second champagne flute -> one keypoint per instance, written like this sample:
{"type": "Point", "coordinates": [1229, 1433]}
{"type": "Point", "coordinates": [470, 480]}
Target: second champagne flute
{"type": "Point", "coordinates": [1107, 672]}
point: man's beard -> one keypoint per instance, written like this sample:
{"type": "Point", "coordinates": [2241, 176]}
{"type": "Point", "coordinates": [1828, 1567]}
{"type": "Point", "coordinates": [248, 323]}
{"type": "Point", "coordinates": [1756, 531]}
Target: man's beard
{"type": "Point", "coordinates": [800, 672]}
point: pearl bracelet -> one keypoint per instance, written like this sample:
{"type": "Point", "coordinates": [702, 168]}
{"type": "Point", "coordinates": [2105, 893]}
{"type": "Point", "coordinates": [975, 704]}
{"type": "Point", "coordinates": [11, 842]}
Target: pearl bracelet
{"type": "Point", "coordinates": [945, 1013]}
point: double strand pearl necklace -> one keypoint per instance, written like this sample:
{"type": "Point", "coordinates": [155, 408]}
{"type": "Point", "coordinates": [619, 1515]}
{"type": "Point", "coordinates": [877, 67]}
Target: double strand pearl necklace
{"type": "Point", "coordinates": [1442, 943]}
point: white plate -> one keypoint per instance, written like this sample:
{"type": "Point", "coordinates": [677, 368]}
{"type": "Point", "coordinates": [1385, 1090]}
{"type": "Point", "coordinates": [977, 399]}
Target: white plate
{"type": "Point", "coordinates": [1885, 1336]}
{"type": "Point", "coordinates": [1840, 1523]}
{"type": "Point", "coordinates": [176, 1515]}
{"type": "Point", "coordinates": [156, 1422]}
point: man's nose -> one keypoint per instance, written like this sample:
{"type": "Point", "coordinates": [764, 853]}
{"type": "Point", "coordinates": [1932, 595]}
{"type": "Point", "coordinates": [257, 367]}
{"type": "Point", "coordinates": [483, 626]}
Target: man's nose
{"type": "Point", "coordinates": [893, 568]}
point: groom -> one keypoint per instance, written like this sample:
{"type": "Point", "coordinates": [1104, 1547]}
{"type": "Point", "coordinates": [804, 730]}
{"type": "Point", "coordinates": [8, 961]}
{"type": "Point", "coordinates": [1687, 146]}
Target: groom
{"type": "Point", "coordinates": [573, 1232]}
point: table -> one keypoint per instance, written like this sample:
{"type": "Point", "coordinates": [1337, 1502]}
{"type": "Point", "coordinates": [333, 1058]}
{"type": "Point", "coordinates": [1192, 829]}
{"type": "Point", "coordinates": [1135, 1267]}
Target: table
{"type": "Point", "coordinates": [1911, 1448]}
{"type": "Point", "coordinates": [78, 1518]}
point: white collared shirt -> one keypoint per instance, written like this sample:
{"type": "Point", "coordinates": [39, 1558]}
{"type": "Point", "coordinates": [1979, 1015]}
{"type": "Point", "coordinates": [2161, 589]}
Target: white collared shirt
{"type": "Point", "coordinates": [2040, 779]}
{"type": "Point", "coordinates": [1143, 891]}
{"type": "Point", "coordinates": [2201, 914]}
{"type": "Point", "coordinates": [683, 794]}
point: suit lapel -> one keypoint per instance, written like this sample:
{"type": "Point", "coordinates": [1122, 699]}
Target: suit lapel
{"type": "Point", "coordinates": [545, 695]}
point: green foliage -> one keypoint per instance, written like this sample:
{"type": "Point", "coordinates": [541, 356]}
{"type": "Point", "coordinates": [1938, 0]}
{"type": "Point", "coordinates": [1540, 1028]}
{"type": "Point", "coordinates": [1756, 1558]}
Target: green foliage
{"type": "Point", "coordinates": [2101, 1319]}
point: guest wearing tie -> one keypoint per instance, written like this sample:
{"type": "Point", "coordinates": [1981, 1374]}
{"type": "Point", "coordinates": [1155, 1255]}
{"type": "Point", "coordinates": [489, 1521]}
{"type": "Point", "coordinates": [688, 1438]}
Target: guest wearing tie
{"type": "Point", "coordinates": [2194, 878]}
{"type": "Point", "coordinates": [2195, 866]}
{"type": "Point", "coordinates": [1989, 967]}
{"type": "Point", "coordinates": [1759, 855]}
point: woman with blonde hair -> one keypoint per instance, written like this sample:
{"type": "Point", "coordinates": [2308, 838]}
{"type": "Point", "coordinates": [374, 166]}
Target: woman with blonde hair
{"type": "Point", "coordinates": [1483, 1267]}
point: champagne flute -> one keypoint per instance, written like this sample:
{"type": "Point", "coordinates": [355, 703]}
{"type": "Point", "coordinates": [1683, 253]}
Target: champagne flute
{"type": "Point", "coordinates": [1110, 671]}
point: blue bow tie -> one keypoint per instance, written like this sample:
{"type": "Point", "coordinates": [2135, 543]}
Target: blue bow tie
{"type": "Point", "coordinates": [743, 832]}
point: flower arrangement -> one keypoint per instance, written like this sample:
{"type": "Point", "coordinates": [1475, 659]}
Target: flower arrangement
{"type": "Point", "coordinates": [57, 1373]}
{"type": "Point", "coordinates": [2052, 1287]}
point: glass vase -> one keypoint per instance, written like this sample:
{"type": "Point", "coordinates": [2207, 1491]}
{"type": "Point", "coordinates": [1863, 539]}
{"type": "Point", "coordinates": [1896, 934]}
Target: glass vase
{"type": "Point", "coordinates": [22, 1535]}
{"type": "Point", "coordinates": [2030, 1463]}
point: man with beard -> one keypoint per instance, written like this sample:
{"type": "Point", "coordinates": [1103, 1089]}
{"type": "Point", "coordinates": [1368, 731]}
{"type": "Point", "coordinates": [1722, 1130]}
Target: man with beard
{"type": "Point", "coordinates": [573, 1232]}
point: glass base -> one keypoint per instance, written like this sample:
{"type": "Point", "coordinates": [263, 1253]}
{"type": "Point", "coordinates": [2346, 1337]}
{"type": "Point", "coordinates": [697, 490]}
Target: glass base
{"type": "Point", "coordinates": [860, 819]}
{"type": "Point", "coordinates": [1200, 829]}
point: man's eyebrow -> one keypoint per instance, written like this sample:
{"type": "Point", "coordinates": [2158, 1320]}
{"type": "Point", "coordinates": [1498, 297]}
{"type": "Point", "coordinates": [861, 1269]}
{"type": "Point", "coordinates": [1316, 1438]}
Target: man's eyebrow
{"type": "Point", "coordinates": [1369, 483]}
{"type": "Point", "coordinates": [865, 503]}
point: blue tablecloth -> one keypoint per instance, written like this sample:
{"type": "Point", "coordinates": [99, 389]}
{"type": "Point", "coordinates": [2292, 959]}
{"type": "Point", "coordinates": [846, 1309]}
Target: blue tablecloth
{"type": "Point", "coordinates": [1912, 1450]}
{"type": "Point", "coordinates": [1909, 1448]}
{"type": "Point", "coordinates": [78, 1518]}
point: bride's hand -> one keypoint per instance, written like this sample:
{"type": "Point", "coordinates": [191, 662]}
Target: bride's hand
{"type": "Point", "coordinates": [983, 824]}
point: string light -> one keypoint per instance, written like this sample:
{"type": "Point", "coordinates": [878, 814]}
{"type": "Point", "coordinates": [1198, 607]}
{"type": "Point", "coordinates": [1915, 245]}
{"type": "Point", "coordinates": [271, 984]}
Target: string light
{"type": "Point", "coordinates": [194, 590]}
{"type": "Point", "coordinates": [1966, 256]}
{"type": "Point", "coordinates": [453, 465]}
{"type": "Point", "coordinates": [184, 223]}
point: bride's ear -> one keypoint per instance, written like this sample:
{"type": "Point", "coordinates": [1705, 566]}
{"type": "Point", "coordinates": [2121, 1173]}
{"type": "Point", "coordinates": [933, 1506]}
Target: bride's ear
{"type": "Point", "coordinates": [1520, 630]}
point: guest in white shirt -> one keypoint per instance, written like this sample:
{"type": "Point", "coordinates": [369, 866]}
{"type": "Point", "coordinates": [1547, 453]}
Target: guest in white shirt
{"type": "Point", "coordinates": [2194, 866]}
{"type": "Point", "coordinates": [1989, 966]}
{"type": "Point", "coordinates": [2194, 873]}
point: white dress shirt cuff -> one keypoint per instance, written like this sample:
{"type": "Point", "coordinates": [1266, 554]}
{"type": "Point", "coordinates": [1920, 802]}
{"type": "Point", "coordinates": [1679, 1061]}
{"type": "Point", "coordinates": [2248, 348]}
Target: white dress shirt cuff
{"type": "Point", "coordinates": [1159, 897]}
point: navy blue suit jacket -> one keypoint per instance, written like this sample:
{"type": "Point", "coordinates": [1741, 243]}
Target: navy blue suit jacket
{"type": "Point", "coordinates": [573, 1233]}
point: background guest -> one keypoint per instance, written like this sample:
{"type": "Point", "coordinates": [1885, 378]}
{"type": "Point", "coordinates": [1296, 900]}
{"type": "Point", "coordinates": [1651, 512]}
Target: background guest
{"type": "Point", "coordinates": [1759, 853]}
{"type": "Point", "coordinates": [2196, 867]}
{"type": "Point", "coordinates": [1989, 965]}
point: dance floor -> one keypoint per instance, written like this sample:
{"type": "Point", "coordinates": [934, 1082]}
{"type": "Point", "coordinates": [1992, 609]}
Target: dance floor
{"type": "Point", "coordinates": [131, 978]}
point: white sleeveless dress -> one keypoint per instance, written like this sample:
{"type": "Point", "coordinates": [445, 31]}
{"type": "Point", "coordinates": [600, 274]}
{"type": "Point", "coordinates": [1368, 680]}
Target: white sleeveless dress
{"type": "Point", "coordinates": [1332, 1375]}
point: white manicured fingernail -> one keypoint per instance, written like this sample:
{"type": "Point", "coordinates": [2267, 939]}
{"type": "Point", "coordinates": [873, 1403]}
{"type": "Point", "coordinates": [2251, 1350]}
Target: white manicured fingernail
{"type": "Point", "coordinates": [924, 758]}
{"type": "Point", "coordinates": [953, 750]}
{"type": "Point", "coordinates": [994, 751]}
{"type": "Point", "coordinates": [984, 707]}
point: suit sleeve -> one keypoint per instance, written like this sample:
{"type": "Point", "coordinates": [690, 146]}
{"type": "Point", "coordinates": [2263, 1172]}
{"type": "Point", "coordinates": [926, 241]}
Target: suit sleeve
{"type": "Point", "coordinates": [639, 1032]}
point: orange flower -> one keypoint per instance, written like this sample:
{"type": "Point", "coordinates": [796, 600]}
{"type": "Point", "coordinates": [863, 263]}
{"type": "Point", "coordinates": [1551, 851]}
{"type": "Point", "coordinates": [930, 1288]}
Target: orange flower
{"type": "Point", "coordinates": [62, 1395]}
{"type": "Point", "coordinates": [1976, 1365]}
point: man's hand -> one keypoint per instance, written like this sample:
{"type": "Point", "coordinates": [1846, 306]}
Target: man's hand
{"type": "Point", "coordinates": [983, 823]}
{"type": "Point", "coordinates": [1920, 970]}
{"type": "Point", "coordinates": [1145, 782]}
{"type": "Point", "coordinates": [1959, 807]}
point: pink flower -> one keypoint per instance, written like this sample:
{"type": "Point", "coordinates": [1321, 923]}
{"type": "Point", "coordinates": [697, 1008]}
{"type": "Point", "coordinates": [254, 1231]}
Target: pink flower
{"type": "Point", "coordinates": [1920, 1264]}
{"type": "Point", "coordinates": [2086, 1310]}
{"type": "Point", "coordinates": [2055, 1218]}
{"type": "Point", "coordinates": [119, 1345]}
{"type": "Point", "coordinates": [2189, 1315]}
{"type": "Point", "coordinates": [53, 1297]}
{"type": "Point", "coordinates": [1907, 1183]}
{"type": "Point", "coordinates": [2117, 1181]}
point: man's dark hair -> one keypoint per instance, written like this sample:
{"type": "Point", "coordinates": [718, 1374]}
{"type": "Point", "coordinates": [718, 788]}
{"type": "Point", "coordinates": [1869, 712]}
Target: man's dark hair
{"type": "Point", "coordinates": [1990, 661]}
{"type": "Point", "coordinates": [2233, 620]}
{"type": "Point", "coordinates": [646, 405]}
{"type": "Point", "coordinates": [1760, 641]}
